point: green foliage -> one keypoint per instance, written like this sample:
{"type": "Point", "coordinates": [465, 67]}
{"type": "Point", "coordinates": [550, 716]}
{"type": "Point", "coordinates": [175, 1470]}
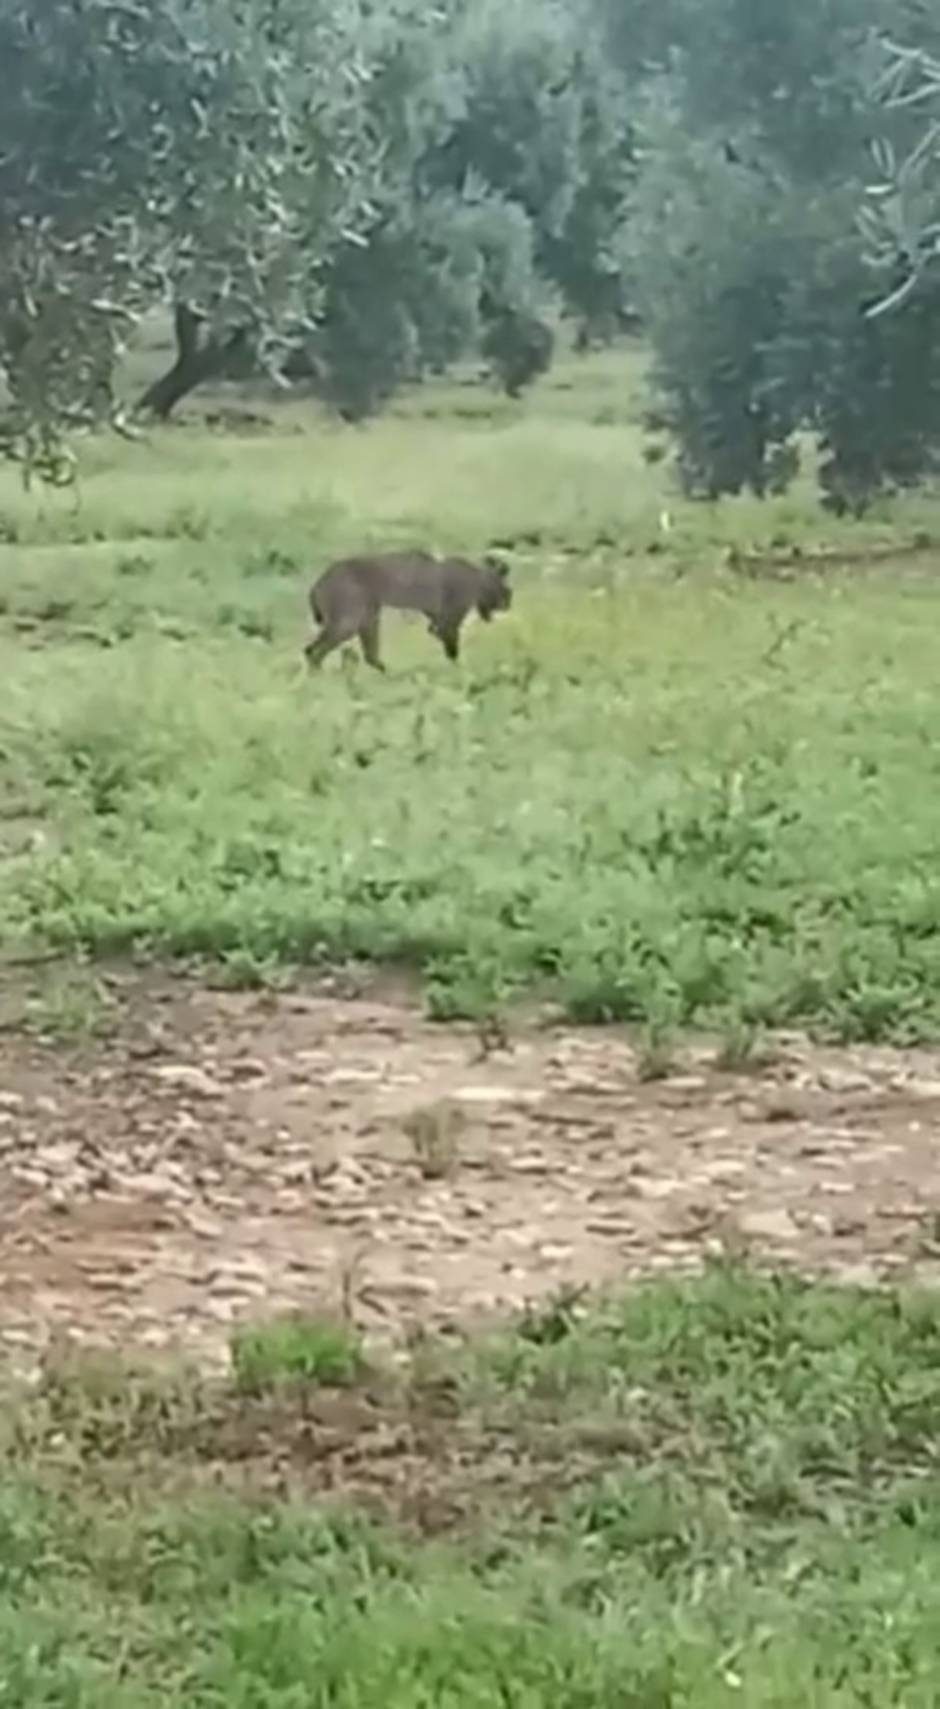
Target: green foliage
{"type": "Point", "coordinates": [826, 1372]}
{"type": "Point", "coordinates": [736, 1502]}
{"type": "Point", "coordinates": [868, 386]}
{"type": "Point", "coordinates": [712, 251]}
{"type": "Point", "coordinates": [411, 298]}
{"type": "Point", "coordinates": [518, 348]}
{"type": "Point", "coordinates": [359, 196]}
{"type": "Point", "coordinates": [474, 170]}
{"type": "Point", "coordinates": [784, 85]}
{"type": "Point", "coordinates": [583, 258]}
{"type": "Point", "coordinates": [713, 1491]}
{"type": "Point", "coordinates": [755, 849]}
{"type": "Point", "coordinates": [295, 1349]}
{"type": "Point", "coordinates": [304, 184]}
{"type": "Point", "coordinates": [396, 294]}
{"type": "Point", "coordinates": [547, 126]}
{"type": "Point", "coordinates": [754, 271]}
{"type": "Point", "coordinates": [901, 215]}
{"type": "Point", "coordinates": [170, 147]}
{"type": "Point", "coordinates": [516, 342]}
{"type": "Point", "coordinates": [391, 305]}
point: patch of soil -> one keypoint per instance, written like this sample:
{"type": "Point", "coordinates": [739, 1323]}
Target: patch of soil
{"type": "Point", "coordinates": [229, 1156]}
{"type": "Point", "coordinates": [399, 1448]}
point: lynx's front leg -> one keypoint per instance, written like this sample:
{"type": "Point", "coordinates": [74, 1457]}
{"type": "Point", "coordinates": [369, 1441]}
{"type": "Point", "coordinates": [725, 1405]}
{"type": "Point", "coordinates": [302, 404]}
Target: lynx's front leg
{"type": "Point", "coordinates": [448, 633]}
{"type": "Point", "coordinates": [369, 642]}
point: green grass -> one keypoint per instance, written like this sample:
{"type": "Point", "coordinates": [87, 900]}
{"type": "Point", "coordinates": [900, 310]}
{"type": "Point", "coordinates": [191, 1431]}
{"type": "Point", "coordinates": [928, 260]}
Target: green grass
{"type": "Point", "coordinates": [711, 1492]}
{"type": "Point", "coordinates": [316, 1350]}
{"type": "Point", "coordinates": [658, 791]}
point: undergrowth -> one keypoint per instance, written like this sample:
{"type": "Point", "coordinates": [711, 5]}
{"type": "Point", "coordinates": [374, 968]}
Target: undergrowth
{"type": "Point", "coordinates": [711, 1492]}
{"type": "Point", "coordinates": [659, 791]}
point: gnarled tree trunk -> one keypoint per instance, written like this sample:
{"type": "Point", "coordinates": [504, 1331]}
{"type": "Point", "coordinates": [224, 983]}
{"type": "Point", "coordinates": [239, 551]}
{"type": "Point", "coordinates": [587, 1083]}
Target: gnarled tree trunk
{"type": "Point", "coordinates": [198, 358]}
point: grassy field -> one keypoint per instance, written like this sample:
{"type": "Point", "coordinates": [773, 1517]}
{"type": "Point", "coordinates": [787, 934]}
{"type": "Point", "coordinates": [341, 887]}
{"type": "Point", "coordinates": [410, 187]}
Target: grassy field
{"type": "Point", "coordinates": [660, 791]}
{"type": "Point", "coordinates": [715, 1493]}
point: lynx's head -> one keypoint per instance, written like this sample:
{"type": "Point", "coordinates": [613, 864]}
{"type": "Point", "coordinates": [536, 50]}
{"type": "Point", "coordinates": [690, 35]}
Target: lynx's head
{"type": "Point", "coordinates": [495, 592]}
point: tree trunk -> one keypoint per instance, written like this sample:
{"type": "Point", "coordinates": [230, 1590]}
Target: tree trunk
{"type": "Point", "coordinates": [197, 359]}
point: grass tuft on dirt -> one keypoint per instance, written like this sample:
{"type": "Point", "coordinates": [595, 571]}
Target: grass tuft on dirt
{"type": "Point", "coordinates": [295, 1349]}
{"type": "Point", "coordinates": [710, 1491]}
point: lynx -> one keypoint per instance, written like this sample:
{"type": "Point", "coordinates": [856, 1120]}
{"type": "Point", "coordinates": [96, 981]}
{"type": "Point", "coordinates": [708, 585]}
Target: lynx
{"type": "Point", "coordinates": [347, 599]}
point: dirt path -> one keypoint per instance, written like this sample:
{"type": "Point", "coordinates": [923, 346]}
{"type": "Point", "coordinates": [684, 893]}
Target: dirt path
{"type": "Point", "coordinates": [228, 1156]}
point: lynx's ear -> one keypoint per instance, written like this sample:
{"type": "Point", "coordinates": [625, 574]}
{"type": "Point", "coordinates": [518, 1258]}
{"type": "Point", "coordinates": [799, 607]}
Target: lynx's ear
{"type": "Point", "coordinates": [498, 564]}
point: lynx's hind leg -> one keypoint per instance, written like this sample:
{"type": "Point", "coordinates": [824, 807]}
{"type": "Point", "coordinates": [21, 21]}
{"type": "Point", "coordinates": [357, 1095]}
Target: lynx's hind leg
{"type": "Point", "coordinates": [369, 642]}
{"type": "Point", "coordinates": [336, 627]}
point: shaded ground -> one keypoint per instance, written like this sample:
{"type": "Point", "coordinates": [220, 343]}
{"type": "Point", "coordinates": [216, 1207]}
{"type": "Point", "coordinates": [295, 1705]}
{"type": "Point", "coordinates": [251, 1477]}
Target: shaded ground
{"type": "Point", "coordinates": [225, 1156]}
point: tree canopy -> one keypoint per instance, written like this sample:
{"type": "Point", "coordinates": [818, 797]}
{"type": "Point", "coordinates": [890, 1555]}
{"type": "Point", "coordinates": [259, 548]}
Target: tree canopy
{"type": "Point", "coordinates": [193, 148]}
{"type": "Point", "coordinates": [357, 193]}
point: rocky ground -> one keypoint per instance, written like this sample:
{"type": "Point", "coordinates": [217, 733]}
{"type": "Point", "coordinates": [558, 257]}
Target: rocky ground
{"type": "Point", "coordinates": [223, 1156]}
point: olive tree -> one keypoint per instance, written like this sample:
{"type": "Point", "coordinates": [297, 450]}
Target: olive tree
{"type": "Point", "coordinates": [755, 273]}
{"type": "Point", "coordinates": [547, 126]}
{"type": "Point", "coordinates": [901, 215]}
{"type": "Point", "coordinates": [197, 150]}
{"type": "Point", "coordinates": [354, 192]}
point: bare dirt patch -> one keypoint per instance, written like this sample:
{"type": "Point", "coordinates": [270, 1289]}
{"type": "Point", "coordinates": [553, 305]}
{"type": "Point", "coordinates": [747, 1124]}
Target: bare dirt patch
{"type": "Point", "coordinates": [228, 1156]}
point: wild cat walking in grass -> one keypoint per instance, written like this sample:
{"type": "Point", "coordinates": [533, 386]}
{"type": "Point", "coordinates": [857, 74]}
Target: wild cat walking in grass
{"type": "Point", "coordinates": [347, 599]}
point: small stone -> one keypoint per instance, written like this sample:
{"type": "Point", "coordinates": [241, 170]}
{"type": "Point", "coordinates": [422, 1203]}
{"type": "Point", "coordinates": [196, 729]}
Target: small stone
{"type": "Point", "coordinates": [248, 1068]}
{"type": "Point", "coordinates": [224, 1310]}
{"type": "Point", "coordinates": [204, 1227]}
{"type": "Point", "coordinates": [686, 1083]}
{"type": "Point", "coordinates": [768, 1225]}
{"type": "Point", "coordinates": [496, 1095]}
{"type": "Point", "coordinates": [841, 1080]}
{"type": "Point", "coordinates": [30, 1177]}
{"type": "Point", "coordinates": [858, 1275]}
{"type": "Point", "coordinates": [151, 1184]}
{"type": "Point", "coordinates": [654, 1187]}
{"type": "Point", "coordinates": [920, 1088]}
{"type": "Point", "coordinates": [723, 1169]}
{"type": "Point", "coordinates": [416, 1287]}
{"type": "Point", "coordinates": [183, 1077]}
{"type": "Point", "coordinates": [786, 1106]}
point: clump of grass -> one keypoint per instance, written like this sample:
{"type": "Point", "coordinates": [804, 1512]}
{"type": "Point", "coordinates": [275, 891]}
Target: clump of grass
{"type": "Point", "coordinates": [70, 1003]}
{"type": "Point", "coordinates": [434, 1133]}
{"type": "Point", "coordinates": [134, 565]}
{"type": "Point", "coordinates": [99, 1405]}
{"type": "Point", "coordinates": [656, 1056]}
{"type": "Point", "coordinates": [296, 1349]}
{"type": "Point", "coordinates": [743, 1046]}
{"type": "Point", "coordinates": [240, 970]}
{"type": "Point", "coordinates": [552, 1321]}
{"type": "Point", "coordinates": [269, 561]}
